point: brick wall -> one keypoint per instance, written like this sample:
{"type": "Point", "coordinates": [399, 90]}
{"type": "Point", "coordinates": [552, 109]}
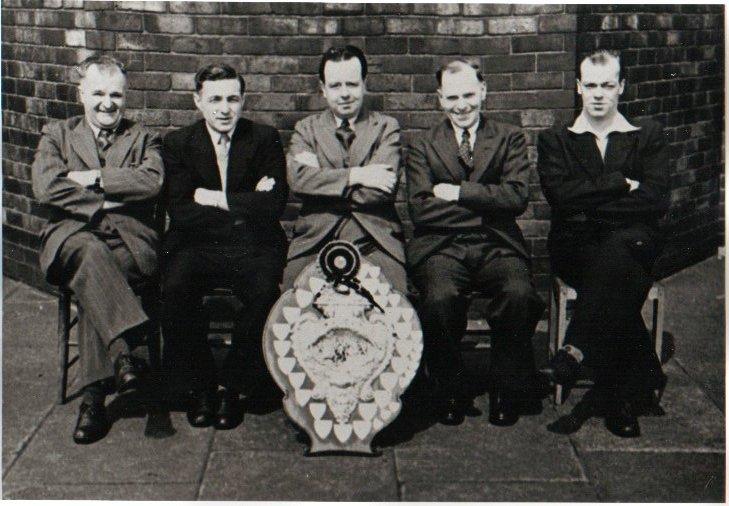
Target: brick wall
{"type": "Point", "coordinates": [527, 51]}
{"type": "Point", "coordinates": [673, 57]}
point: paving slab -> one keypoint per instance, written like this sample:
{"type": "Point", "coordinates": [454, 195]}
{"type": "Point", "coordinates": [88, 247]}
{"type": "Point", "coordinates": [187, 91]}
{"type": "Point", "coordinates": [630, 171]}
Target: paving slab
{"type": "Point", "coordinates": [105, 492]}
{"type": "Point", "coordinates": [657, 477]}
{"type": "Point", "coordinates": [30, 324]}
{"type": "Point", "coordinates": [25, 293]}
{"type": "Point", "coordinates": [691, 422]}
{"type": "Point", "coordinates": [286, 476]}
{"type": "Point", "coordinates": [267, 432]}
{"type": "Point", "coordinates": [482, 491]}
{"type": "Point", "coordinates": [9, 286]}
{"type": "Point", "coordinates": [124, 456]}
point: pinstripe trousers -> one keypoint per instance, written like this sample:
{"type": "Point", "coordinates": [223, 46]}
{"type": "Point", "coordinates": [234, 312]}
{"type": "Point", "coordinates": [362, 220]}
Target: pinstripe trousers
{"type": "Point", "coordinates": [98, 267]}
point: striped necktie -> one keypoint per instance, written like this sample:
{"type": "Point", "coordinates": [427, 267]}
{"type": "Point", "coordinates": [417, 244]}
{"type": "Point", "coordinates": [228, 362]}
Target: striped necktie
{"type": "Point", "coordinates": [103, 141]}
{"type": "Point", "coordinates": [464, 150]}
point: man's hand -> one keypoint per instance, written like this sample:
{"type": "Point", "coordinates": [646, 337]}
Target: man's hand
{"type": "Point", "coordinates": [308, 158]}
{"type": "Point", "coordinates": [379, 176]}
{"type": "Point", "coordinates": [110, 204]}
{"type": "Point", "coordinates": [84, 177]}
{"type": "Point", "coordinates": [633, 184]}
{"type": "Point", "coordinates": [206, 197]}
{"type": "Point", "coordinates": [446, 191]}
{"type": "Point", "coordinates": [266, 184]}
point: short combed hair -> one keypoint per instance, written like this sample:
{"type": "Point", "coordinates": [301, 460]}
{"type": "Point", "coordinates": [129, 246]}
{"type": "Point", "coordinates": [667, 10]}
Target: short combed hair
{"type": "Point", "coordinates": [602, 57]}
{"type": "Point", "coordinates": [104, 62]}
{"type": "Point", "coordinates": [455, 66]}
{"type": "Point", "coordinates": [341, 54]}
{"type": "Point", "coordinates": [218, 72]}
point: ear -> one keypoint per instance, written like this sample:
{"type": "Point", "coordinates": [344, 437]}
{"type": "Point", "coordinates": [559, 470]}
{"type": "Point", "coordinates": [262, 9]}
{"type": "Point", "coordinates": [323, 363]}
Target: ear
{"type": "Point", "coordinates": [483, 91]}
{"type": "Point", "coordinates": [622, 87]}
{"type": "Point", "coordinates": [197, 99]}
{"type": "Point", "coordinates": [579, 86]}
{"type": "Point", "coordinates": [322, 86]}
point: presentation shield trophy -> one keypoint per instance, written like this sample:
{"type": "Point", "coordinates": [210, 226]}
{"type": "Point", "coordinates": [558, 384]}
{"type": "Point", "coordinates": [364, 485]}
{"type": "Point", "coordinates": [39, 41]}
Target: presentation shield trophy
{"type": "Point", "coordinates": [343, 345]}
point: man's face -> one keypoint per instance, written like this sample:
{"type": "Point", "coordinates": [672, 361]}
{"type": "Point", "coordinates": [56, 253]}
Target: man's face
{"type": "Point", "coordinates": [220, 103]}
{"type": "Point", "coordinates": [343, 87]}
{"type": "Point", "coordinates": [600, 87]}
{"type": "Point", "coordinates": [461, 95]}
{"type": "Point", "coordinates": [103, 94]}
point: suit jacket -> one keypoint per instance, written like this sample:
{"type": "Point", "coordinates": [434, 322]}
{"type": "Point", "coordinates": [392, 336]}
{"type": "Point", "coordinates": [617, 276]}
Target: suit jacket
{"type": "Point", "coordinates": [491, 198]}
{"type": "Point", "coordinates": [252, 221]}
{"type": "Point", "coordinates": [133, 175]}
{"type": "Point", "coordinates": [323, 189]}
{"type": "Point", "coordinates": [583, 190]}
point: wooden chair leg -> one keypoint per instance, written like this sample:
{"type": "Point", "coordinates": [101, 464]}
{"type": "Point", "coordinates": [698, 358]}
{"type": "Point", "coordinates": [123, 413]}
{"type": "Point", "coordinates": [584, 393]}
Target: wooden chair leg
{"type": "Point", "coordinates": [658, 314]}
{"type": "Point", "coordinates": [64, 332]}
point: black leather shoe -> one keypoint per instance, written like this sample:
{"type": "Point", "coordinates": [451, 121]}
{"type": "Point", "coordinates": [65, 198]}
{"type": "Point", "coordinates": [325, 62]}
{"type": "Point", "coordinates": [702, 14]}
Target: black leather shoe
{"type": "Point", "coordinates": [229, 413]}
{"type": "Point", "coordinates": [91, 425]}
{"type": "Point", "coordinates": [621, 421]}
{"type": "Point", "coordinates": [452, 412]}
{"type": "Point", "coordinates": [201, 412]}
{"type": "Point", "coordinates": [563, 369]}
{"type": "Point", "coordinates": [126, 374]}
{"type": "Point", "coordinates": [503, 409]}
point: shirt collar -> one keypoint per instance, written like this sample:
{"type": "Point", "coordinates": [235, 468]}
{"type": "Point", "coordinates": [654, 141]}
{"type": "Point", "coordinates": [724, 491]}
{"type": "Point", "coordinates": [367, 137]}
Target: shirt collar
{"type": "Point", "coordinates": [618, 124]}
{"type": "Point", "coordinates": [459, 131]}
{"type": "Point", "coordinates": [352, 121]}
{"type": "Point", "coordinates": [215, 135]}
{"type": "Point", "coordinates": [96, 129]}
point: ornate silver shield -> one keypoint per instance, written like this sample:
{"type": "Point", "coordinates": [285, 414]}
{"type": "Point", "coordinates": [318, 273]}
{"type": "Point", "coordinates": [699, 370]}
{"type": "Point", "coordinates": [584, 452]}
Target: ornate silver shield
{"type": "Point", "coordinates": [343, 345]}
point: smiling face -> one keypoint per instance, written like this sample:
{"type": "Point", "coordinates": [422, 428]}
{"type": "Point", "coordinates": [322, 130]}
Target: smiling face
{"type": "Point", "coordinates": [461, 95]}
{"type": "Point", "coordinates": [220, 103]}
{"type": "Point", "coordinates": [103, 93]}
{"type": "Point", "coordinates": [343, 87]}
{"type": "Point", "coordinates": [600, 88]}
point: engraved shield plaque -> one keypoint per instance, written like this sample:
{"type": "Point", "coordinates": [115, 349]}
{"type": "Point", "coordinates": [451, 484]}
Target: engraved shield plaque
{"type": "Point", "coordinates": [343, 345]}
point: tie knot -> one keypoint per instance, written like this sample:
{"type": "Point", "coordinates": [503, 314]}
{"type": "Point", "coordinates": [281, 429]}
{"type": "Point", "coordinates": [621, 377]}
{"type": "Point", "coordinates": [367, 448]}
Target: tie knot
{"type": "Point", "coordinates": [104, 134]}
{"type": "Point", "coordinates": [224, 139]}
{"type": "Point", "coordinates": [466, 136]}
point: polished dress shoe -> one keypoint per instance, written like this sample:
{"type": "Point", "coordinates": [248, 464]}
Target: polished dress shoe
{"type": "Point", "coordinates": [452, 412]}
{"type": "Point", "coordinates": [503, 409]}
{"type": "Point", "coordinates": [229, 413]}
{"type": "Point", "coordinates": [563, 369]}
{"type": "Point", "coordinates": [91, 425]}
{"type": "Point", "coordinates": [621, 421]}
{"type": "Point", "coordinates": [201, 412]}
{"type": "Point", "coordinates": [126, 374]}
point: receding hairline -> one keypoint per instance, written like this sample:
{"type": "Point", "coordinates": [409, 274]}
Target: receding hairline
{"type": "Point", "coordinates": [601, 59]}
{"type": "Point", "coordinates": [456, 67]}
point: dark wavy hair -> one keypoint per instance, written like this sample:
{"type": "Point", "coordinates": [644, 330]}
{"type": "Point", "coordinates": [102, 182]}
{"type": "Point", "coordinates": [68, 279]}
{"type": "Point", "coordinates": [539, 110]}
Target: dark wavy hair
{"type": "Point", "coordinates": [340, 54]}
{"type": "Point", "coordinates": [218, 72]}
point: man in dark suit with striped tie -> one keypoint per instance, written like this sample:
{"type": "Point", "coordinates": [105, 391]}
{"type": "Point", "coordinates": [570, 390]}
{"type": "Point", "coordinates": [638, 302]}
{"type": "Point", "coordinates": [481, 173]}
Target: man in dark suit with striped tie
{"type": "Point", "coordinates": [99, 175]}
{"type": "Point", "coordinates": [468, 179]}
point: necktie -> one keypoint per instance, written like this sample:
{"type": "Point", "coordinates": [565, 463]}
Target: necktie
{"type": "Point", "coordinates": [222, 155]}
{"type": "Point", "coordinates": [103, 141]}
{"type": "Point", "coordinates": [345, 134]}
{"type": "Point", "coordinates": [464, 150]}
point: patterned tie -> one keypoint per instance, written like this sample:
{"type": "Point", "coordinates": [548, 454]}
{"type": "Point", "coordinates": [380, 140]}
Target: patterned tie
{"type": "Point", "coordinates": [345, 134]}
{"type": "Point", "coordinates": [222, 155]}
{"type": "Point", "coordinates": [103, 141]}
{"type": "Point", "coordinates": [464, 150]}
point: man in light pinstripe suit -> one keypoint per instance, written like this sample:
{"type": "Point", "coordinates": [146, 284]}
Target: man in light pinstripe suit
{"type": "Point", "coordinates": [99, 175]}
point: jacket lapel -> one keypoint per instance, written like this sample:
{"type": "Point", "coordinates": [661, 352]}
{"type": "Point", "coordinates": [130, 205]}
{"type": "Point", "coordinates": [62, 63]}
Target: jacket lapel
{"type": "Point", "coordinates": [444, 143]}
{"type": "Point", "coordinates": [487, 142]}
{"type": "Point", "coordinates": [122, 145]}
{"type": "Point", "coordinates": [327, 140]}
{"type": "Point", "coordinates": [620, 147]}
{"type": "Point", "coordinates": [238, 155]}
{"type": "Point", "coordinates": [204, 152]}
{"type": "Point", "coordinates": [366, 130]}
{"type": "Point", "coordinates": [585, 150]}
{"type": "Point", "coordinates": [84, 144]}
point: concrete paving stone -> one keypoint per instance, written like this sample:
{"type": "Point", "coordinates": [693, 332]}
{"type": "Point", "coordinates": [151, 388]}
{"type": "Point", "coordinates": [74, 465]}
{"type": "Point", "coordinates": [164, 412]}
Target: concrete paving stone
{"type": "Point", "coordinates": [269, 432]}
{"type": "Point", "coordinates": [691, 422]}
{"type": "Point", "coordinates": [9, 286]}
{"type": "Point", "coordinates": [260, 475]}
{"type": "Point", "coordinates": [125, 455]}
{"type": "Point", "coordinates": [521, 491]}
{"type": "Point", "coordinates": [657, 477]}
{"type": "Point", "coordinates": [30, 325]}
{"type": "Point", "coordinates": [106, 492]}
{"type": "Point", "coordinates": [25, 293]}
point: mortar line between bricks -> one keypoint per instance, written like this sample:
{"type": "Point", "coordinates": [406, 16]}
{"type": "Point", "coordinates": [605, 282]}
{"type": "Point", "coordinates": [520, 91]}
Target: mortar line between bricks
{"type": "Point", "coordinates": [204, 471]}
{"type": "Point", "coordinates": [698, 383]}
{"type": "Point", "coordinates": [27, 439]}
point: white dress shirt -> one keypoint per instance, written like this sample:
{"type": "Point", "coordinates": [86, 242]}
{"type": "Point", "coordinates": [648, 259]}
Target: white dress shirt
{"type": "Point", "coordinates": [458, 131]}
{"type": "Point", "coordinates": [221, 152]}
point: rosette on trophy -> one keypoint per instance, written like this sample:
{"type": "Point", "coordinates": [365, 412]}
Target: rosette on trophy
{"type": "Point", "coordinates": [343, 345]}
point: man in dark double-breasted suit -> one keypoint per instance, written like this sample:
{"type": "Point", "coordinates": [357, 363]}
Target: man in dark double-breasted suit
{"type": "Point", "coordinates": [226, 191]}
{"type": "Point", "coordinates": [99, 176]}
{"type": "Point", "coordinates": [467, 181]}
{"type": "Point", "coordinates": [607, 182]}
{"type": "Point", "coordinates": [343, 163]}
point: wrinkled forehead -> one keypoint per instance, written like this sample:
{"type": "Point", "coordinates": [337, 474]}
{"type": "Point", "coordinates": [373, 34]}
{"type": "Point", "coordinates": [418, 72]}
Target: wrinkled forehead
{"type": "Point", "coordinates": [601, 72]}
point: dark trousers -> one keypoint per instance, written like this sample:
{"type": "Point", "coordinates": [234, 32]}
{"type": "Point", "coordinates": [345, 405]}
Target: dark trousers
{"type": "Point", "coordinates": [190, 273]}
{"type": "Point", "coordinates": [611, 271]}
{"type": "Point", "coordinates": [513, 309]}
{"type": "Point", "coordinates": [98, 267]}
